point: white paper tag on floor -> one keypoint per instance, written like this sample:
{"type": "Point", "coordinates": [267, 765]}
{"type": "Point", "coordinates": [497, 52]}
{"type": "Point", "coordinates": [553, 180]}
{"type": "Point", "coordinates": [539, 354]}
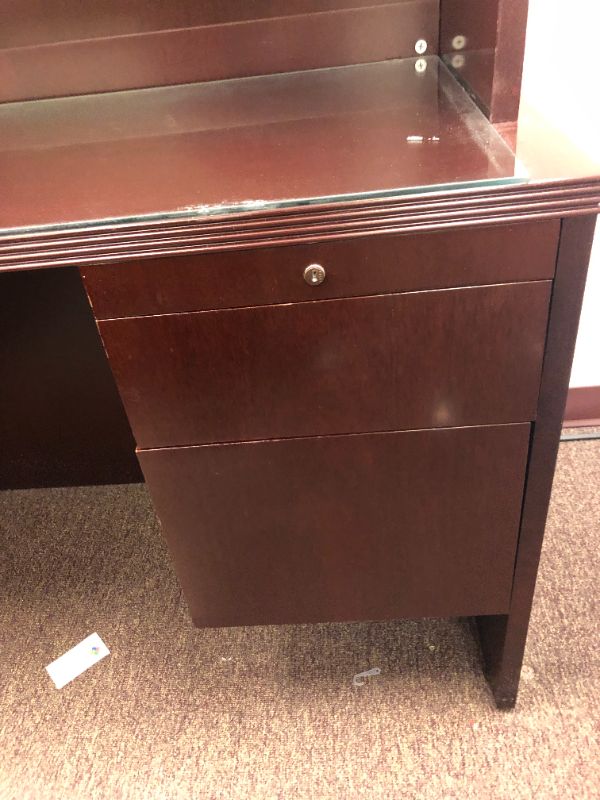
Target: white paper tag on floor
{"type": "Point", "coordinates": [77, 660]}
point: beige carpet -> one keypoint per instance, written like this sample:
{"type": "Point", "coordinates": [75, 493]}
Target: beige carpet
{"type": "Point", "coordinates": [176, 712]}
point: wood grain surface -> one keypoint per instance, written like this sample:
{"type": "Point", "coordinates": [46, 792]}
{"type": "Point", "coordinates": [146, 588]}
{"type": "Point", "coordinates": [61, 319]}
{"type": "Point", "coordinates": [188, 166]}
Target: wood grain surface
{"type": "Point", "coordinates": [391, 362]}
{"type": "Point", "coordinates": [503, 637]}
{"type": "Point", "coordinates": [81, 48]}
{"type": "Point", "coordinates": [376, 526]}
{"type": "Point", "coordinates": [262, 140]}
{"type": "Point", "coordinates": [354, 267]}
{"type": "Point", "coordinates": [489, 62]}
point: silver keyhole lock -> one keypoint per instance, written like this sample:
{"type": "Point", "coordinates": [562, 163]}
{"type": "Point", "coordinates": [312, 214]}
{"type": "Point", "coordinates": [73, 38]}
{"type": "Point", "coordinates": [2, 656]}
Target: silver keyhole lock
{"type": "Point", "coordinates": [314, 274]}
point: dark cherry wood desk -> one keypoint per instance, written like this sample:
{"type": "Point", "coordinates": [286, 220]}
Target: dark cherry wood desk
{"type": "Point", "coordinates": [340, 311]}
{"type": "Point", "coordinates": [270, 142]}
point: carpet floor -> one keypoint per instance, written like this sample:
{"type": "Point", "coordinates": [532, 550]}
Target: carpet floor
{"type": "Point", "coordinates": [272, 712]}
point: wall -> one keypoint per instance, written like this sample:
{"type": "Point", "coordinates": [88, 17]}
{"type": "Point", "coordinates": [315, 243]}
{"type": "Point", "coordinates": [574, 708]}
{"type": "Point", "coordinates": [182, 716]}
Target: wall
{"type": "Point", "coordinates": [560, 81]}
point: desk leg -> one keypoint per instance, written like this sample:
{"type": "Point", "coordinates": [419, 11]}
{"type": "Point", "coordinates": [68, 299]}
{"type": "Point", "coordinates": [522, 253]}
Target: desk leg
{"type": "Point", "coordinates": [503, 637]}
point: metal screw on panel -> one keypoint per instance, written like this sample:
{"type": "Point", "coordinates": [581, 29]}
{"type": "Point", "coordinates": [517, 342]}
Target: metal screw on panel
{"type": "Point", "coordinates": [457, 60]}
{"type": "Point", "coordinates": [421, 47]}
{"type": "Point", "coordinates": [420, 65]}
{"type": "Point", "coordinates": [459, 42]}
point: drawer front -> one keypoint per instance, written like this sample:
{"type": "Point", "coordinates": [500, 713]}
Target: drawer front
{"type": "Point", "coordinates": [354, 267]}
{"type": "Point", "coordinates": [373, 526]}
{"type": "Point", "coordinates": [422, 360]}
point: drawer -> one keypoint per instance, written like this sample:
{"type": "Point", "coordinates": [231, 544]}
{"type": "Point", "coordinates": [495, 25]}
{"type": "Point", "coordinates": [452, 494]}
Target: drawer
{"type": "Point", "coordinates": [447, 358]}
{"type": "Point", "coordinates": [365, 527]}
{"type": "Point", "coordinates": [354, 267]}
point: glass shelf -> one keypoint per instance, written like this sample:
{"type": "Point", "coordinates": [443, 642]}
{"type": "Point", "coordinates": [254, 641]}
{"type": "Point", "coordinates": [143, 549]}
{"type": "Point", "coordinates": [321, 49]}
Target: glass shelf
{"type": "Point", "coordinates": [280, 141]}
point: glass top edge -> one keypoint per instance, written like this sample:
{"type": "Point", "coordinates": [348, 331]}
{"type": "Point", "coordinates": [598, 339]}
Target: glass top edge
{"type": "Point", "coordinates": [199, 212]}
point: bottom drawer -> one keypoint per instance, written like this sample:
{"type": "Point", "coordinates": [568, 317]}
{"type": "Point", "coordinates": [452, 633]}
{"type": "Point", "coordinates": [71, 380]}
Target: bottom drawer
{"type": "Point", "coordinates": [334, 528]}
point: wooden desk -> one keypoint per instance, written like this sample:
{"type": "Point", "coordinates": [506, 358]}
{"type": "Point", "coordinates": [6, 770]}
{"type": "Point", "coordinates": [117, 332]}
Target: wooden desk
{"type": "Point", "coordinates": [340, 312]}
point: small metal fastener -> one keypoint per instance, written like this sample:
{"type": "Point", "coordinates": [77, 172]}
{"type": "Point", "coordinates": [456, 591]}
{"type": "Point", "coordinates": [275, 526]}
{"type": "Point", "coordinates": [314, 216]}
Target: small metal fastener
{"type": "Point", "coordinates": [420, 47]}
{"type": "Point", "coordinates": [314, 274]}
{"type": "Point", "coordinates": [420, 65]}
{"type": "Point", "coordinates": [458, 61]}
{"type": "Point", "coordinates": [459, 42]}
{"type": "Point", "coordinates": [360, 678]}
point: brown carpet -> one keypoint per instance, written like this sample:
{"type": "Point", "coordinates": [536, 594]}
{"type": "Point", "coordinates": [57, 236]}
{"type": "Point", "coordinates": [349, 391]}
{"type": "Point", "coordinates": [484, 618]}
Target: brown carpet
{"type": "Point", "coordinates": [176, 712]}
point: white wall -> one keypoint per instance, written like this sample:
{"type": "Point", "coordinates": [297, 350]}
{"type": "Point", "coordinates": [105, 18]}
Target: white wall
{"type": "Point", "coordinates": [561, 81]}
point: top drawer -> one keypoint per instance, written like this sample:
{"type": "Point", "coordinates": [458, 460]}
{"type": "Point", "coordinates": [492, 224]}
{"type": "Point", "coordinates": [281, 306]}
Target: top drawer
{"type": "Point", "coordinates": [354, 267]}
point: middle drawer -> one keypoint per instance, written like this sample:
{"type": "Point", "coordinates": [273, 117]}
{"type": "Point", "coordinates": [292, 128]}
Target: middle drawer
{"type": "Point", "coordinates": [445, 358]}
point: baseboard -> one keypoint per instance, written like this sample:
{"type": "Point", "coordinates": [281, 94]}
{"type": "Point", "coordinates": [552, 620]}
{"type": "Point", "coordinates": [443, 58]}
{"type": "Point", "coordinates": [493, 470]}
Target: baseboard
{"type": "Point", "coordinates": [583, 407]}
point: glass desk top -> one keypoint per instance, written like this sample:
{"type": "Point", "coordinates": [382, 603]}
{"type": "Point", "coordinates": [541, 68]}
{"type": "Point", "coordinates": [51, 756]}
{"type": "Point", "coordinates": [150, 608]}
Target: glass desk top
{"type": "Point", "coordinates": [373, 130]}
